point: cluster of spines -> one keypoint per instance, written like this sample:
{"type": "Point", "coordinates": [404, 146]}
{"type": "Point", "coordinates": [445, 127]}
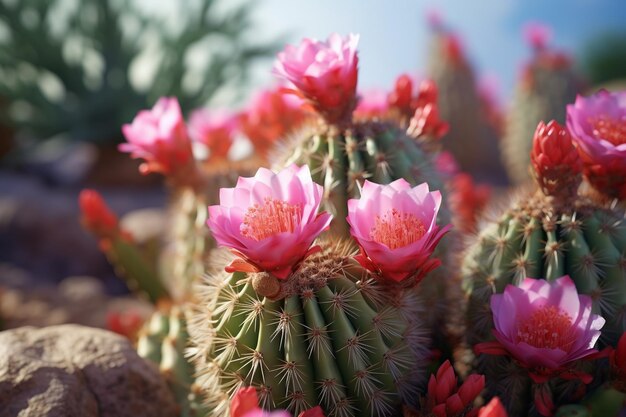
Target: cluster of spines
{"type": "Point", "coordinates": [349, 346]}
{"type": "Point", "coordinates": [377, 151]}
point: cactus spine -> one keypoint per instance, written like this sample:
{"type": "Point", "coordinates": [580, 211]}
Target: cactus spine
{"type": "Point", "coordinates": [335, 337]}
{"type": "Point", "coordinates": [341, 160]}
{"type": "Point", "coordinates": [163, 341]}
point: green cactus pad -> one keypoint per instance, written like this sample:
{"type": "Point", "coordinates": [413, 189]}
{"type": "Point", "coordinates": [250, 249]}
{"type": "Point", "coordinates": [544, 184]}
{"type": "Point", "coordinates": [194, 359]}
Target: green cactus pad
{"type": "Point", "coordinates": [335, 337]}
{"type": "Point", "coordinates": [376, 151]}
{"type": "Point", "coordinates": [163, 341]}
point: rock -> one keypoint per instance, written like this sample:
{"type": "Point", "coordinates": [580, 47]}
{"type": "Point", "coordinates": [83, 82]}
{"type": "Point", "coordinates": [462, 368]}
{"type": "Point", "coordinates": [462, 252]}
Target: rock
{"type": "Point", "coordinates": [76, 371]}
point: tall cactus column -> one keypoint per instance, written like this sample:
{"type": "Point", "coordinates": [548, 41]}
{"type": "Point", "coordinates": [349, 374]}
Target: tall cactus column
{"type": "Point", "coordinates": [574, 238]}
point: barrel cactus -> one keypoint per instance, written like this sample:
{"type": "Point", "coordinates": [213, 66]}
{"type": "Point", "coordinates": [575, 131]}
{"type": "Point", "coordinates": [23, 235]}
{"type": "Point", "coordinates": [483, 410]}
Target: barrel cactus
{"type": "Point", "coordinates": [561, 229]}
{"type": "Point", "coordinates": [469, 138]}
{"type": "Point", "coordinates": [316, 325]}
{"type": "Point", "coordinates": [546, 85]}
{"type": "Point", "coordinates": [163, 341]}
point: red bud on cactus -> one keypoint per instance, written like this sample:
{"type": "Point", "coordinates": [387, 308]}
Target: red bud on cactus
{"type": "Point", "coordinates": [96, 216]}
{"type": "Point", "coordinates": [445, 400]}
{"type": "Point", "coordinates": [426, 122]}
{"type": "Point", "coordinates": [401, 97]}
{"type": "Point", "coordinates": [427, 93]}
{"type": "Point", "coordinates": [543, 400]}
{"type": "Point", "coordinates": [467, 201]}
{"type": "Point", "coordinates": [556, 164]}
{"type": "Point", "coordinates": [126, 323]}
{"type": "Point", "coordinates": [312, 412]}
{"type": "Point", "coordinates": [245, 403]}
{"type": "Point", "coordinates": [270, 116]}
{"type": "Point", "coordinates": [618, 364]}
{"type": "Point", "coordinates": [493, 409]}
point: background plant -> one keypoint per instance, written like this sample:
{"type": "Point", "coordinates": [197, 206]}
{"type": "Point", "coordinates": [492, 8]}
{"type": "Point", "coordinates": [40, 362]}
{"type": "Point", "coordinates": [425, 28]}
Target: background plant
{"type": "Point", "coordinates": [66, 66]}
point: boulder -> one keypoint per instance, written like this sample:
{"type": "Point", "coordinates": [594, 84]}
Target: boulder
{"type": "Point", "coordinates": [71, 370]}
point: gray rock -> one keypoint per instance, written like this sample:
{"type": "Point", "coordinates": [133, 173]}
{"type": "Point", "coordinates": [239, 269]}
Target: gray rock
{"type": "Point", "coordinates": [75, 371]}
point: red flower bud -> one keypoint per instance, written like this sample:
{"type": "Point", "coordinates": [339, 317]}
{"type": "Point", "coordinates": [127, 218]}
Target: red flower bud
{"type": "Point", "coordinates": [401, 97]}
{"type": "Point", "coordinates": [96, 216]}
{"type": "Point", "coordinates": [556, 164]}
{"type": "Point", "coordinates": [312, 412]}
{"type": "Point", "coordinates": [444, 399]}
{"type": "Point", "coordinates": [244, 401]}
{"type": "Point", "coordinates": [493, 409]}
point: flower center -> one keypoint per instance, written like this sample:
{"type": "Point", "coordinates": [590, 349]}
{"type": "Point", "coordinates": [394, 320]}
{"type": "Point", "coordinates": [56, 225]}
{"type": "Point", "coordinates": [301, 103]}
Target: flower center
{"type": "Point", "coordinates": [396, 229]}
{"type": "Point", "coordinates": [270, 218]}
{"type": "Point", "coordinates": [548, 328]}
{"type": "Point", "coordinates": [609, 129]}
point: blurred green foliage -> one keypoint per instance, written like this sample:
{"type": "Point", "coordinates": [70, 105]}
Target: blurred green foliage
{"type": "Point", "coordinates": [604, 58]}
{"type": "Point", "coordinates": [66, 66]}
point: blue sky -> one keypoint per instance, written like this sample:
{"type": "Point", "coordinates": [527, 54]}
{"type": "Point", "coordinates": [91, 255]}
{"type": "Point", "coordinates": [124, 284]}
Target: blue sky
{"type": "Point", "coordinates": [394, 33]}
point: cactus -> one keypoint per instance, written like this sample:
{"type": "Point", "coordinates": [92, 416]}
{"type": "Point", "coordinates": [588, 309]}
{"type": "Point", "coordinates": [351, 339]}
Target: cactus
{"type": "Point", "coordinates": [342, 159]}
{"type": "Point", "coordinates": [547, 84]}
{"type": "Point", "coordinates": [163, 340]}
{"type": "Point", "coordinates": [554, 231]}
{"type": "Point", "coordinates": [336, 337]}
{"type": "Point", "coordinates": [469, 138]}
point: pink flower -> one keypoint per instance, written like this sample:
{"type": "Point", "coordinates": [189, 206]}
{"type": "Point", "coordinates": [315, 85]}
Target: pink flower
{"type": "Point", "coordinates": [325, 73]}
{"type": "Point", "coordinates": [271, 115]}
{"type": "Point", "coordinates": [159, 137]}
{"type": "Point", "coordinates": [395, 226]}
{"type": "Point", "coordinates": [372, 103]}
{"type": "Point", "coordinates": [545, 326]}
{"type": "Point", "coordinates": [598, 127]}
{"type": "Point", "coordinates": [537, 34]}
{"type": "Point", "coordinates": [270, 220]}
{"type": "Point", "coordinates": [213, 128]}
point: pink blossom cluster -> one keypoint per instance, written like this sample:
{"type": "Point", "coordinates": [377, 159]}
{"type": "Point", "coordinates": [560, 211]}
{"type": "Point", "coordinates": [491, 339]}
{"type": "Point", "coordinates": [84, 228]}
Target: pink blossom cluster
{"type": "Point", "coordinates": [271, 220]}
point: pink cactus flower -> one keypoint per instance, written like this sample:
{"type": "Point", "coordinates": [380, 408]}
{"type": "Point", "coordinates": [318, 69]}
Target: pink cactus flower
{"type": "Point", "coordinates": [372, 103]}
{"type": "Point", "coordinates": [545, 326]}
{"type": "Point", "coordinates": [324, 73]}
{"type": "Point", "coordinates": [271, 115]}
{"type": "Point", "coordinates": [159, 136]}
{"type": "Point", "coordinates": [598, 127]}
{"type": "Point", "coordinates": [269, 220]}
{"type": "Point", "coordinates": [214, 129]}
{"type": "Point", "coordinates": [395, 226]}
{"type": "Point", "coordinates": [537, 34]}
